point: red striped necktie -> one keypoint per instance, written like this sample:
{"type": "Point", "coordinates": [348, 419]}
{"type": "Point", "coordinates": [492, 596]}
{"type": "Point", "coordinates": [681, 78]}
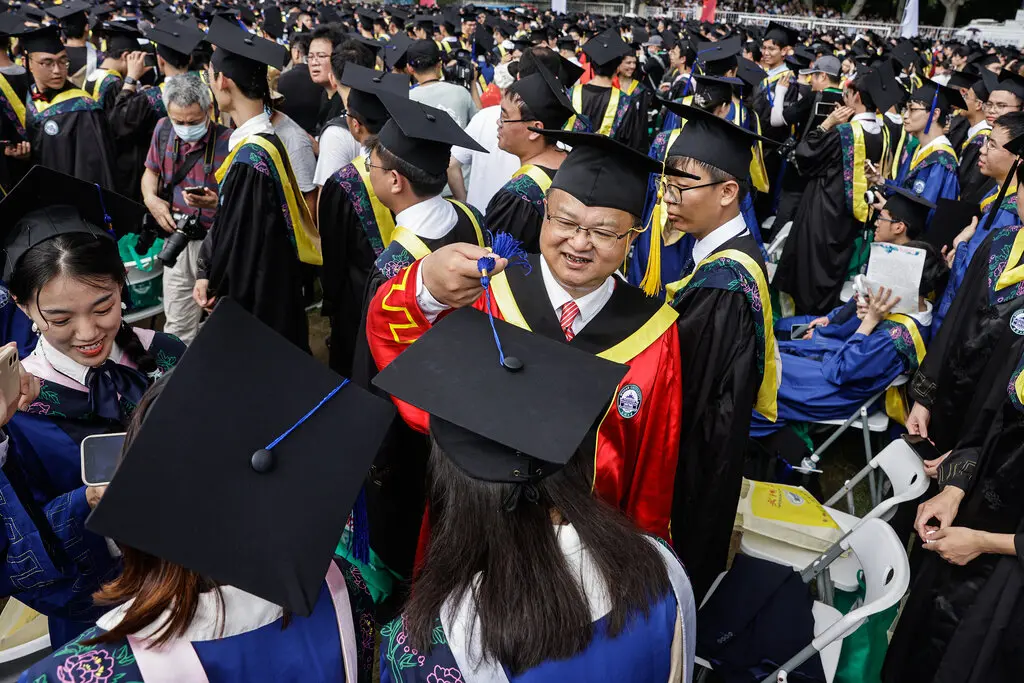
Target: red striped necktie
{"type": "Point", "coordinates": [570, 312]}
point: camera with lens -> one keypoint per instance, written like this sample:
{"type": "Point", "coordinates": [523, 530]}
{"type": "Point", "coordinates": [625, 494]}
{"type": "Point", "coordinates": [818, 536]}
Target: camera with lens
{"type": "Point", "coordinates": [874, 193]}
{"type": "Point", "coordinates": [787, 147]}
{"type": "Point", "coordinates": [460, 69]}
{"type": "Point", "coordinates": [186, 229]}
{"type": "Point", "coordinates": [147, 236]}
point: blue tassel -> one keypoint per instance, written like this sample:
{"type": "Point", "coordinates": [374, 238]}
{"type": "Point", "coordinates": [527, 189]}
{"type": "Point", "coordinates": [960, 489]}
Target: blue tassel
{"type": "Point", "coordinates": [359, 540]}
{"type": "Point", "coordinates": [108, 222]}
{"type": "Point", "coordinates": [931, 110]}
{"type": "Point", "coordinates": [509, 248]}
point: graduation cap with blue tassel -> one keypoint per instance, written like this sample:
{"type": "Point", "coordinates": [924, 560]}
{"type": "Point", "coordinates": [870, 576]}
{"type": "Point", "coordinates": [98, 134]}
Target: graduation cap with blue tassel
{"type": "Point", "coordinates": [940, 97]}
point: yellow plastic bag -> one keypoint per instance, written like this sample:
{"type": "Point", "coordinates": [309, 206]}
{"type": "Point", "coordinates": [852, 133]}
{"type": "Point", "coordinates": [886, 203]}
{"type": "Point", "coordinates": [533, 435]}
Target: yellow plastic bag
{"type": "Point", "coordinates": [786, 513]}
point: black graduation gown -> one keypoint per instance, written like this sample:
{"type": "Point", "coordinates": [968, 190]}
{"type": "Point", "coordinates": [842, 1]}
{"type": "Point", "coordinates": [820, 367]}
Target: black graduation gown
{"type": "Point", "coordinates": [79, 57]}
{"type": "Point", "coordinates": [762, 106]}
{"type": "Point", "coordinates": [720, 377]}
{"type": "Point", "coordinates": [817, 254]}
{"type": "Point", "coordinates": [631, 130]}
{"type": "Point", "coordinates": [966, 624]}
{"type": "Point", "coordinates": [509, 211]}
{"type": "Point", "coordinates": [973, 185]}
{"type": "Point", "coordinates": [395, 494]}
{"type": "Point", "coordinates": [11, 169]}
{"type": "Point", "coordinates": [249, 254]}
{"type": "Point", "coordinates": [79, 143]}
{"type": "Point", "coordinates": [301, 97]}
{"type": "Point", "coordinates": [958, 354]}
{"type": "Point", "coordinates": [132, 121]}
{"type": "Point", "coordinates": [108, 92]}
{"type": "Point", "coordinates": [958, 129]}
{"type": "Point", "coordinates": [330, 108]}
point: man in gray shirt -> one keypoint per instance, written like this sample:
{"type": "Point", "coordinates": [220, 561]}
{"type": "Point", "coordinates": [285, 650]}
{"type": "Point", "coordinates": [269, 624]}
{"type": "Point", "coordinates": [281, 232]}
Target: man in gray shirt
{"type": "Point", "coordinates": [424, 60]}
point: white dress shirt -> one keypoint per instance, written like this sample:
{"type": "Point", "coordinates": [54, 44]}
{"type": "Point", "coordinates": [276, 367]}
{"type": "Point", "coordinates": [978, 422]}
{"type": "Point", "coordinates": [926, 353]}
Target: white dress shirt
{"type": "Point", "coordinates": [869, 122]}
{"type": "Point", "coordinates": [977, 128]}
{"type": "Point", "coordinates": [922, 151]}
{"type": "Point", "coordinates": [719, 236]}
{"type": "Point", "coordinates": [589, 304]}
{"type": "Point", "coordinates": [430, 219]}
{"type": "Point", "coordinates": [257, 124]}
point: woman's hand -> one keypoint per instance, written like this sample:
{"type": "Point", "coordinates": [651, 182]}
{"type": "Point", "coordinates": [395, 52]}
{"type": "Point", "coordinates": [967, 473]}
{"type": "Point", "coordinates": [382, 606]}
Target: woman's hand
{"type": "Point", "coordinates": [956, 545]}
{"type": "Point", "coordinates": [942, 507]}
{"type": "Point", "coordinates": [201, 295]}
{"type": "Point", "coordinates": [917, 421]}
{"type": "Point", "coordinates": [873, 308]}
{"type": "Point", "coordinates": [838, 115]}
{"type": "Point", "coordinates": [931, 467]}
{"type": "Point", "coordinates": [817, 322]}
{"type": "Point", "coordinates": [136, 64]}
{"type": "Point", "coordinates": [28, 391]}
{"type": "Point", "coordinates": [93, 494]}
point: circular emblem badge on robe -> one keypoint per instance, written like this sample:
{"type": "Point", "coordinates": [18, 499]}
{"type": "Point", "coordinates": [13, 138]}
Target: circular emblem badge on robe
{"type": "Point", "coordinates": [4, 297]}
{"type": "Point", "coordinates": [51, 128]}
{"type": "Point", "coordinates": [629, 400]}
{"type": "Point", "coordinates": [918, 186]}
{"type": "Point", "coordinates": [1017, 322]}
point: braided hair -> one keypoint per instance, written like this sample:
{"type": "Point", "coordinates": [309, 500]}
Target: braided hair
{"type": "Point", "coordinates": [86, 258]}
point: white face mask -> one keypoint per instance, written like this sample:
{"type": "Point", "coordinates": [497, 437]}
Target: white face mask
{"type": "Point", "coordinates": [191, 133]}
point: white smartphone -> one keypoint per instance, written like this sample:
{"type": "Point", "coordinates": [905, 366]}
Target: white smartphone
{"type": "Point", "coordinates": [101, 454]}
{"type": "Point", "coordinates": [10, 374]}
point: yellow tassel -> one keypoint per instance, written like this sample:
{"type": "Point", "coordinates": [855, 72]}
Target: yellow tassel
{"type": "Point", "coordinates": [651, 284]}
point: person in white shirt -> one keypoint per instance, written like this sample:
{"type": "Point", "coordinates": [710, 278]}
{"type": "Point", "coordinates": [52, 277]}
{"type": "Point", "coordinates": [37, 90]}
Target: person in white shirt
{"type": "Point", "coordinates": [424, 60]}
{"type": "Point", "coordinates": [483, 172]}
{"type": "Point", "coordinates": [337, 145]}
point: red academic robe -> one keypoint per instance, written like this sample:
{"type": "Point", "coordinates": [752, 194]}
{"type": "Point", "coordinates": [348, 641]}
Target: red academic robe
{"type": "Point", "coordinates": [636, 443]}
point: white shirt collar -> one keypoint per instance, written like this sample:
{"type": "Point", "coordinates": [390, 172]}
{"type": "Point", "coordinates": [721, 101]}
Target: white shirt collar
{"type": "Point", "coordinates": [257, 124]}
{"type": "Point", "coordinates": [923, 318]}
{"type": "Point", "coordinates": [430, 219]}
{"type": "Point", "coordinates": [978, 127]}
{"type": "Point", "coordinates": [869, 122]}
{"type": "Point", "coordinates": [941, 140]}
{"type": "Point", "coordinates": [589, 304]}
{"type": "Point", "coordinates": [719, 236]}
{"type": "Point", "coordinates": [895, 118]}
{"type": "Point", "coordinates": [243, 612]}
{"type": "Point", "coordinates": [65, 365]}
{"type": "Point", "coordinates": [780, 68]}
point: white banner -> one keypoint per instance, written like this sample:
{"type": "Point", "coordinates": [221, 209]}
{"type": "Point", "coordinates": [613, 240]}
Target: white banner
{"type": "Point", "coordinates": [558, 6]}
{"type": "Point", "coordinates": [908, 27]}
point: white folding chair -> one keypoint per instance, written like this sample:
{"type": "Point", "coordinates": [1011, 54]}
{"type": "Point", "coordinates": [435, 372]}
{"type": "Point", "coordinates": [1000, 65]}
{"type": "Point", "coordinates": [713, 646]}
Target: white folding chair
{"type": "Point", "coordinates": [905, 472]}
{"type": "Point", "coordinates": [886, 579]}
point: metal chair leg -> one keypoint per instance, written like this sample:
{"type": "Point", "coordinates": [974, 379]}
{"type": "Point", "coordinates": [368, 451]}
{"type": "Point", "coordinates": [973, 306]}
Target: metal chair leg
{"type": "Point", "coordinates": [866, 431]}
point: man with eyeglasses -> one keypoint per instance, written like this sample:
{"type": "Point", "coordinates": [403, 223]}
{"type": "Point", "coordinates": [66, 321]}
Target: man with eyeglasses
{"type": "Point", "coordinates": [571, 292]}
{"type": "Point", "coordinates": [532, 103]}
{"type": "Point", "coordinates": [727, 347]}
{"type": "Point", "coordinates": [969, 132]}
{"type": "Point", "coordinates": [1005, 96]}
{"type": "Point", "coordinates": [67, 129]}
{"type": "Point", "coordinates": [322, 44]}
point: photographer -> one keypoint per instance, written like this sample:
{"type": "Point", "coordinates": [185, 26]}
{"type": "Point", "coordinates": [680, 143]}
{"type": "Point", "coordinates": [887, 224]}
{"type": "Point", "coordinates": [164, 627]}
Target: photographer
{"type": "Point", "coordinates": [424, 59]}
{"type": "Point", "coordinates": [186, 151]}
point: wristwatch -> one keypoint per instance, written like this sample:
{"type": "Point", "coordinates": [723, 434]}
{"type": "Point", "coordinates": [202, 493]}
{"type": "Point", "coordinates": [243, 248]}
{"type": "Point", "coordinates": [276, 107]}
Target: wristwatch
{"type": "Point", "coordinates": [128, 80]}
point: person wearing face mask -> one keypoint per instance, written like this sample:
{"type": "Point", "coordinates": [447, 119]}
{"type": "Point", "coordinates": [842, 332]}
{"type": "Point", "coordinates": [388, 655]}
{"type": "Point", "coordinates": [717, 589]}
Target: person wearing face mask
{"type": "Point", "coordinates": [185, 152]}
{"type": "Point", "coordinates": [61, 263]}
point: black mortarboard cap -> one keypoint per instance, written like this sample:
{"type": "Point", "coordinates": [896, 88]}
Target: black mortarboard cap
{"type": "Point", "coordinates": [47, 203]}
{"type": "Point", "coordinates": [225, 532]}
{"type": "Point", "coordinates": [395, 49]}
{"type": "Point", "coordinates": [422, 135]}
{"type": "Point", "coordinates": [68, 9]}
{"type": "Point", "coordinates": [121, 37]}
{"type": "Point", "coordinates": [905, 55]}
{"type": "Point", "coordinates": [781, 35]}
{"type": "Point", "coordinates": [909, 208]}
{"type": "Point", "coordinates": [714, 141]}
{"type": "Point", "coordinates": [32, 13]}
{"type": "Point", "coordinates": [749, 72]}
{"type": "Point", "coordinates": [12, 24]}
{"type": "Point", "coordinates": [606, 48]}
{"type": "Point", "coordinates": [273, 23]}
{"type": "Point", "coordinates": [708, 88]}
{"type": "Point", "coordinates": [1015, 146]}
{"type": "Point", "coordinates": [1012, 82]}
{"type": "Point", "coordinates": [963, 79]}
{"type": "Point", "coordinates": [950, 218]}
{"type": "Point", "coordinates": [375, 45]}
{"type": "Point", "coordinates": [884, 89]}
{"type": "Point", "coordinates": [44, 39]}
{"type": "Point", "coordinates": [425, 21]}
{"type": "Point", "coordinates": [945, 98]}
{"type": "Point", "coordinates": [181, 36]}
{"type": "Point", "coordinates": [365, 85]}
{"type": "Point", "coordinates": [718, 58]}
{"type": "Point", "coordinates": [545, 96]}
{"type": "Point", "coordinates": [478, 408]}
{"type": "Point", "coordinates": [600, 171]}
{"type": "Point", "coordinates": [569, 72]}
{"type": "Point", "coordinates": [242, 56]}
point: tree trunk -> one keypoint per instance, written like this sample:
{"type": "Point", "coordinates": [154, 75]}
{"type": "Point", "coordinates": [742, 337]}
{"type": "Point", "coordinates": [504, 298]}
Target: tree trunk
{"type": "Point", "coordinates": [858, 7]}
{"type": "Point", "coordinates": [951, 9]}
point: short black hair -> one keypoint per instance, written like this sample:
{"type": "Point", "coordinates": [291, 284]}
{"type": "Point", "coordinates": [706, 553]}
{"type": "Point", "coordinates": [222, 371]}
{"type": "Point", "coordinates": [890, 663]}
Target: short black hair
{"type": "Point", "coordinates": [302, 40]}
{"type": "Point", "coordinates": [328, 32]}
{"type": "Point", "coordinates": [607, 70]}
{"type": "Point", "coordinates": [351, 51]}
{"type": "Point", "coordinates": [539, 55]}
{"type": "Point", "coordinates": [859, 85]}
{"type": "Point", "coordinates": [424, 185]}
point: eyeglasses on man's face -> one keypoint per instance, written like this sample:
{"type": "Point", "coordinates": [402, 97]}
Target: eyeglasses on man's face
{"type": "Point", "coordinates": [60, 64]}
{"type": "Point", "coordinates": [601, 238]}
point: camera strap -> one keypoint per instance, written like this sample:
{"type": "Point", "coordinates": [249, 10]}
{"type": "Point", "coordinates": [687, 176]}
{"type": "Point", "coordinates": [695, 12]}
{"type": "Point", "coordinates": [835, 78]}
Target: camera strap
{"type": "Point", "coordinates": [191, 158]}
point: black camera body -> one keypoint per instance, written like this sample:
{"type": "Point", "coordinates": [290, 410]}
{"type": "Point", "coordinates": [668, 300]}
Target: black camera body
{"type": "Point", "coordinates": [186, 229]}
{"type": "Point", "coordinates": [874, 193]}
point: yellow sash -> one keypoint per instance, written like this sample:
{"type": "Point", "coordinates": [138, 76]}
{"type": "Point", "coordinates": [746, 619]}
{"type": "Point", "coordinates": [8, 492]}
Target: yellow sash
{"type": "Point", "coordinates": [536, 175]}
{"type": "Point", "coordinates": [651, 283]}
{"type": "Point", "coordinates": [1011, 190]}
{"type": "Point", "coordinates": [983, 131]}
{"type": "Point", "coordinates": [758, 172]}
{"type": "Point", "coordinates": [71, 94]}
{"type": "Point", "coordinates": [98, 76]}
{"type": "Point", "coordinates": [860, 180]}
{"type": "Point", "coordinates": [417, 248]}
{"type": "Point", "coordinates": [307, 239]}
{"type": "Point", "coordinates": [897, 152]}
{"type": "Point", "coordinates": [918, 157]}
{"type": "Point", "coordinates": [632, 88]}
{"type": "Point", "coordinates": [895, 398]}
{"type": "Point", "coordinates": [767, 394]}
{"type": "Point", "coordinates": [1018, 386]}
{"type": "Point", "coordinates": [1014, 271]}
{"type": "Point", "coordinates": [623, 352]}
{"type": "Point", "coordinates": [16, 104]}
{"type": "Point", "coordinates": [381, 213]}
{"type": "Point", "coordinates": [609, 111]}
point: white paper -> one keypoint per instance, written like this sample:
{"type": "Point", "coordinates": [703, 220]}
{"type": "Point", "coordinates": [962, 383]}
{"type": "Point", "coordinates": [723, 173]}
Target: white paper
{"type": "Point", "coordinates": [899, 269]}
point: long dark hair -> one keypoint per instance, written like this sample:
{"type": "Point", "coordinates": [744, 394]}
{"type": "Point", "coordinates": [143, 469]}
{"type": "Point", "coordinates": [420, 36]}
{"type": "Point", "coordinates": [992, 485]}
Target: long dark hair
{"type": "Point", "coordinates": [83, 257]}
{"type": "Point", "coordinates": [531, 608]}
{"type": "Point", "coordinates": [156, 585]}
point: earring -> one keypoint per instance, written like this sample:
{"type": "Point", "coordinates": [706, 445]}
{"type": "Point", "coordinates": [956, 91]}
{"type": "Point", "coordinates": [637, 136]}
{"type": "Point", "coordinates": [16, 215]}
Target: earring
{"type": "Point", "coordinates": [124, 306]}
{"type": "Point", "coordinates": [35, 328]}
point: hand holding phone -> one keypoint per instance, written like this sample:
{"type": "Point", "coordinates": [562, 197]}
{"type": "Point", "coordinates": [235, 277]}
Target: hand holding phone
{"type": "Point", "coordinates": [798, 331]}
{"type": "Point", "coordinates": [195, 189]}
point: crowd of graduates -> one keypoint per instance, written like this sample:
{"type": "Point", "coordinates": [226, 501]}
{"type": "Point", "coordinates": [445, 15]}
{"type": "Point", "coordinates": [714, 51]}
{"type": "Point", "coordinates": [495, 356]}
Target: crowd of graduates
{"type": "Point", "coordinates": [582, 276]}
